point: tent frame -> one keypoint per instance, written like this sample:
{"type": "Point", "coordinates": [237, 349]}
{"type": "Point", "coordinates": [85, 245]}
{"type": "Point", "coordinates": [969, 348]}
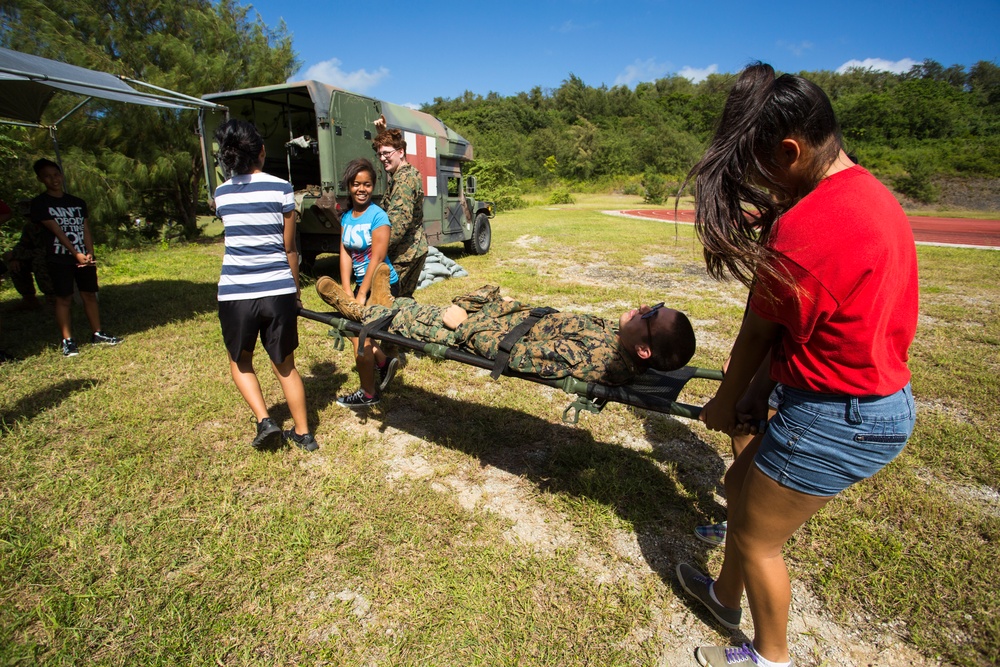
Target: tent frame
{"type": "Point", "coordinates": [166, 98]}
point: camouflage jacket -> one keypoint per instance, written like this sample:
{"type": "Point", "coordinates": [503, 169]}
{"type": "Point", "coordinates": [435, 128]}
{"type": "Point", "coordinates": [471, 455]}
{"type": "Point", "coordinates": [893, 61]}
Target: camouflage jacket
{"type": "Point", "coordinates": [404, 204]}
{"type": "Point", "coordinates": [32, 243]}
{"type": "Point", "coordinates": [558, 345]}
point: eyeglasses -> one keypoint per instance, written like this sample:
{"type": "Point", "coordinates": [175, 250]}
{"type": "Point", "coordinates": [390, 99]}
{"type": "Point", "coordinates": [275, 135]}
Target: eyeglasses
{"type": "Point", "coordinates": [384, 155]}
{"type": "Point", "coordinates": [647, 316]}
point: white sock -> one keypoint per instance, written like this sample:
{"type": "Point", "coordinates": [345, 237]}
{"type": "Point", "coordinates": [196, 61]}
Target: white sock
{"type": "Point", "coordinates": [764, 662]}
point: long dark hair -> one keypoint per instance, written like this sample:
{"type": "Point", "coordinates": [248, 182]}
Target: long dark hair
{"type": "Point", "coordinates": [736, 201]}
{"type": "Point", "coordinates": [239, 146]}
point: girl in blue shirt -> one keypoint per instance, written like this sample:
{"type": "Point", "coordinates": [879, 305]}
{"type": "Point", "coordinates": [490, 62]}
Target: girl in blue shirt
{"type": "Point", "coordinates": [364, 243]}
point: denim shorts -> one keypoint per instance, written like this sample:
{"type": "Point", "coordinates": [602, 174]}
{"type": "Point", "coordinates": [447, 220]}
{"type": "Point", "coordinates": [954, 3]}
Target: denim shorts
{"type": "Point", "coordinates": [820, 444]}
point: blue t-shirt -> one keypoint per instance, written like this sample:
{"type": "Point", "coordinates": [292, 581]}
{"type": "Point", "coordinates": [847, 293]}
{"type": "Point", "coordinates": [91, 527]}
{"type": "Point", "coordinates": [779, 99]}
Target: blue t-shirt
{"type": "Point", "coordinates": [356, 233]}
{"type": "Point", "coordinates": [252, 208]}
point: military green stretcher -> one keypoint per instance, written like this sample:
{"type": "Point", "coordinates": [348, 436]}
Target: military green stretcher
{"type": "Point", "coordinates": [653, 390]}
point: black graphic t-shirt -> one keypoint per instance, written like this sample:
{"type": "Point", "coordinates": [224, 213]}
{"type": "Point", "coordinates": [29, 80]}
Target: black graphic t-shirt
{"type": "Point", "coordinates": [69, 212]}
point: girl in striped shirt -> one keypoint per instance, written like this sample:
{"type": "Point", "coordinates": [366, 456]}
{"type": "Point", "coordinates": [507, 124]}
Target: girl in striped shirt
{"type": "Point", "coordinates": [259, 291]}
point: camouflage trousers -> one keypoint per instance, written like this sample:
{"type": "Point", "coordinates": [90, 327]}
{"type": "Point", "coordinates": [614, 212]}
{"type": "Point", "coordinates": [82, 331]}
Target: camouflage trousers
{"type": "Point", "coordinates": [22, 279]}
{"type": "Point", "coordinates": [409, 274]}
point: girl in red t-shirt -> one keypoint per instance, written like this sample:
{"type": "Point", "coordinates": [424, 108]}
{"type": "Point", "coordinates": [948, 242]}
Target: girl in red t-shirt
{"type": "Point", "coordinates": [830, 260]}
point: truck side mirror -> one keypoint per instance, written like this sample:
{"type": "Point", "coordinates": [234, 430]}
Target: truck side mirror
{"type": "Point", "coordinates": [470, 185]}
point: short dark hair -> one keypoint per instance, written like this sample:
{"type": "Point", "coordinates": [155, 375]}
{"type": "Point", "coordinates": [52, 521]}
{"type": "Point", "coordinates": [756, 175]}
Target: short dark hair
{"type": "Point", "coordinates": [355, 167]}
{"type": "Point", "coordinates": [239, 145]}
{"type": "Point", "coordinates": [675, 349]}
{"type": "Point", "coordinates": [392, 138]}
{"type": "Point", "coordinates": [42, 164]}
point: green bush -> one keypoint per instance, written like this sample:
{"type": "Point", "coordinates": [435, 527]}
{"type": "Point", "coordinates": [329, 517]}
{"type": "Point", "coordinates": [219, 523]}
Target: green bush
{"type": "Point", "coordinates": [655, 187]}
{"type": "Point", "coordinates": [497, 183]}
{"type": "Point", "coordinates": [916, 183]}
{"type": "Point", "coordinates": [561, 197]}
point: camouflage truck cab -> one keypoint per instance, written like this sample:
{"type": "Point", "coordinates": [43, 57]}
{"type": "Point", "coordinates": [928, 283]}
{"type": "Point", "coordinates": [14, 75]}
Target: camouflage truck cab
{"type": "Point", "coordinates": [312, 130]}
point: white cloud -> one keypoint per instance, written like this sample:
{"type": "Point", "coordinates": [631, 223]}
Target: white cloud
{"type": "Point", "coordinates": [697, 75]}
{"type": "Point", "coordinates": [880, 65]}
{"type": "Point", "coordinates": [797, 48]}
{"type": "Point", "coordinates": [641, 70]}
{"type": "Point", "coordinates": [329, 71]}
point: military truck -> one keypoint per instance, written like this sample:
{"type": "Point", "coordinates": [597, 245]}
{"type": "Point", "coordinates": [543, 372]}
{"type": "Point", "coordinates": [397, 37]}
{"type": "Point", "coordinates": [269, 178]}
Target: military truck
{"type": "Point", "coordinates": [312, 130]}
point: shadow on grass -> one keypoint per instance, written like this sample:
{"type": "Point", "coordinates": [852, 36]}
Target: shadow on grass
{"type": "Point", "coordinates": [125, 310]}
{"type": "Point", "coordinates": [663, 506]}
{"type": "Point", "coordinates": [40, 401]}
{"type": "Point", "coordinates": [322, 382]}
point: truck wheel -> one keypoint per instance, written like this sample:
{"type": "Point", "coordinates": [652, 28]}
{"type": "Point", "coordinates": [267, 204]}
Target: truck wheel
{"type": "Point", "coordinates": [482, 236]}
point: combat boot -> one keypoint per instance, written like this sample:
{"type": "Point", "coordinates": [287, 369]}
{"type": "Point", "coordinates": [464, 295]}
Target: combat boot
{"type": "Point", "coordinates": [332, 293]}
{"type": "Point", "coordinates": [381, 293]}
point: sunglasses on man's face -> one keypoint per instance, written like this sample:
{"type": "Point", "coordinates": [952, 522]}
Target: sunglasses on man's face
{"type": "Point", "coordinates": [647, 316]}
{"type": "Point", "coordinates": [651, 313]}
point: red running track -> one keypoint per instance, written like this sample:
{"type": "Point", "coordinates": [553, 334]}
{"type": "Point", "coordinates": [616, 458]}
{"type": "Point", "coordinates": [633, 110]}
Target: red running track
{"type": "Point", "coordinates": [943, 231]}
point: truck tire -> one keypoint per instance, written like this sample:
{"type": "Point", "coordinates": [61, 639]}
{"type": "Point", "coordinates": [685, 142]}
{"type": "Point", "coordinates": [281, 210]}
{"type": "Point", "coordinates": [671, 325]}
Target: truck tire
{"type": "Point", "coordinates": [482, 236]}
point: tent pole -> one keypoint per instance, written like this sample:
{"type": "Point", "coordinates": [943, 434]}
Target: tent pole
{"type": "Point", "coordinates": [175, 94]}
{"type": "Point", "coordinates": [71, 112]}
{"type": "Point", "coordinates": [55, 145]}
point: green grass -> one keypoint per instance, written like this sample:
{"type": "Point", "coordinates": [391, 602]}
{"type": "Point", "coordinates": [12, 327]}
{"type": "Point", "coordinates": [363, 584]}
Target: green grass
{"type": "Point", "coordinates": [137, 526]}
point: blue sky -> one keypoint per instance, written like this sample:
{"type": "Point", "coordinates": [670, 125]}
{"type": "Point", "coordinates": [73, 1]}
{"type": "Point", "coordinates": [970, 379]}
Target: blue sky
{"type": "Point", "coordinates": [410, 53]}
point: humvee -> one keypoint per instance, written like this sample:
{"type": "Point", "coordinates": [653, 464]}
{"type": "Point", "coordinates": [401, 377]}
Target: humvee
{"type": "Point", "coordinates": [311, 131]}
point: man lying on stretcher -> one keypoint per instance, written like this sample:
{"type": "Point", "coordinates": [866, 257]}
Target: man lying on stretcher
{"type": "Point", "coordinates": [559, 344]}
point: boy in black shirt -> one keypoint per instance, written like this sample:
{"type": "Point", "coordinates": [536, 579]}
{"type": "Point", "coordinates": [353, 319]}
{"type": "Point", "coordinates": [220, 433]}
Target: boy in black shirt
{"type": "Point", "coordinates": [70, 254]}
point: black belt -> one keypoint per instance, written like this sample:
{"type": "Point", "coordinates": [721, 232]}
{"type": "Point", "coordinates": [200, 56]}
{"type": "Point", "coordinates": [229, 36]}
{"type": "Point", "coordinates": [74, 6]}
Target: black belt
{"type": "Point", "coordinates": [514, 335]}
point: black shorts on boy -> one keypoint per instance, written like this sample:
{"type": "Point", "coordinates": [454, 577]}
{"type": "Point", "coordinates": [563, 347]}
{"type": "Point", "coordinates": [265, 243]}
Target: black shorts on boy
{"type": "Point", "coordinates": [64, 276]}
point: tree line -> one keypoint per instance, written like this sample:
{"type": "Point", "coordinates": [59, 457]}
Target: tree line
{"type": "Point", "coordinates": [133, 161]}
{"type": "Point", "coordinates": [906, 128]}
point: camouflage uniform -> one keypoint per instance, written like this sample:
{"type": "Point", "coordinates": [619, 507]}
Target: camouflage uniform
{"type": "Point", "coordinates": [558, 345]}
{"type": "Point", "coordinates": [30, 252]}
{"type": "Point", "coordinates": [404, 204]}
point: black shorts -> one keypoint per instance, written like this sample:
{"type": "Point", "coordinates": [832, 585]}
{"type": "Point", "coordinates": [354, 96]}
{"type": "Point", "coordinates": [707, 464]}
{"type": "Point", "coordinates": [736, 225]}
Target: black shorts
{"type": "Point", "coordinates": [273, 318]}
{"type": "Point", "coordinates": [64, 276]}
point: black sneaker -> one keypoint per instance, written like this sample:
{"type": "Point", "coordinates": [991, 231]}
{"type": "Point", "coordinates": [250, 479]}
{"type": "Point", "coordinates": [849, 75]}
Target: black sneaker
{"type": "Point", "coordinates": [268, 435]}
{"type": "Point", "coordinates": [384, 375]}
{"type": "Point", "coordinates": [69, 347]}
{"type": "Point", "coordinates": [306, 442]}
{"type": "Point", "coordinates": [101, 338]}
{"type": "Point", "coordinates": [357, 400]}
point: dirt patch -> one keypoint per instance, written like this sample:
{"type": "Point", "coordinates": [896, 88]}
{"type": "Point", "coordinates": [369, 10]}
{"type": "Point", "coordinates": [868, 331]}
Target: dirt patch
{"type": "Point", "coordinates": [817, 640]}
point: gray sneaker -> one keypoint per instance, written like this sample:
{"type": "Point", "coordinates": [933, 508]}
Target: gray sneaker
{"type": "Point", "coordinates": [697, 584]}
{"type": "Point", "coordinates": [724, 656]}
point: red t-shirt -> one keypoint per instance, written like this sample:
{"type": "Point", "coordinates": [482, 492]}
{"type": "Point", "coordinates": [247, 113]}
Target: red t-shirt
{"type": "Point", "coordinates": [849, 249]}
